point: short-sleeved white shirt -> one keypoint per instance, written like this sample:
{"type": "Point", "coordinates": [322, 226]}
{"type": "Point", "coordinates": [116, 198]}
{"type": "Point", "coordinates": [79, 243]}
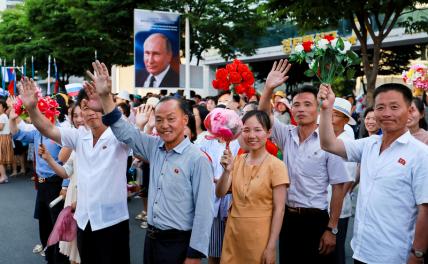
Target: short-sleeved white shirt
{"type": "Point", "coordinates": [4, 120]}
{"type": "Point", "coordinates": [310, 168]}
{"type": "Point", "coordinates": [392, 185]}
{"type": "Point", "coordinates": [101, 179]}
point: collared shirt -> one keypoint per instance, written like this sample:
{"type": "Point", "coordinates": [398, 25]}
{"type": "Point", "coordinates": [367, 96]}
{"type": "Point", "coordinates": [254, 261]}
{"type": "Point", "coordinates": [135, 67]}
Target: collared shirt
{"type": "Point", "coordinates": [180, 189]}
{"type": "Point", "coordinates": [158, 78]}
{"type": "Point", "coordinates": [310, 168]}
{"type": "Point", "coordinates": [392, 185]}
{"type": "Point", "coordinates": [33, 136]}
{"type": "Point", "coordinates": [101, 177]}
{"type": "Point", "coordinates": [215, 150]}
{"type": "Point", "coordinates": [350, 169]}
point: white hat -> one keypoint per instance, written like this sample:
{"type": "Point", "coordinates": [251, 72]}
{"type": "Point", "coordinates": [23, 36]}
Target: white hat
{"type": "Point", "coordinates": [344, 106]}
{"type": "Point", "coordinates": [123, 95]}
{"type": "Point", "coordinates": [153, 101]}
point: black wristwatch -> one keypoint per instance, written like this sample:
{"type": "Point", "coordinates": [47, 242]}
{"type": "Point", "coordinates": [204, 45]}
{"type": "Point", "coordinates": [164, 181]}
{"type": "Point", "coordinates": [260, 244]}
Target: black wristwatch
{"type": "Point", "coordinates": [333, 230]}
{"type": "Point", "coordinates": [418, 253]}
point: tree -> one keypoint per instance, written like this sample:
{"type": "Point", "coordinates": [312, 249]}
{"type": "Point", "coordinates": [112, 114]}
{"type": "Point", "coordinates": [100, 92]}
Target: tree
{"type": "Point", "coordinates": [369, 19]}
{"type": "Point", "coordinates": [232, 27]}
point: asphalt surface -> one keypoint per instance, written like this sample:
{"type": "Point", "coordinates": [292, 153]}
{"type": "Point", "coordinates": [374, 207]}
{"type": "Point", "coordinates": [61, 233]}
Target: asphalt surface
{"type": "Point", "coordinates": [19, 230]}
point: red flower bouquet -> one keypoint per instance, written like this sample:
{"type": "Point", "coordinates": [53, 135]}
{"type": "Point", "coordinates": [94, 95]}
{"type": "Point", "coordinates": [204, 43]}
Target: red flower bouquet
{"type": "Point", "coordinates": [235, 77]}
{"type": "Point", "coordinates": [47, 105]}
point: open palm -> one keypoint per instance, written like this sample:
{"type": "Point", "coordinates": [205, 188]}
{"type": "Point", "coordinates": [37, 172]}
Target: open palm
{"type": "Point", "coordinates": [278, 74]}
{"type": "Point", "coordinates": [28, 93]}
{"type": "Point", "coordinates": [101, 78]}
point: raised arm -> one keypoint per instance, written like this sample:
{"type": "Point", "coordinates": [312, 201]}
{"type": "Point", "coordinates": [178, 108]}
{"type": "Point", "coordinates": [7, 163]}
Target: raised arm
{"type": "Point", "coordinates": [276, 77]}
{"type": "Point", "coordinates": [29, 99]}
{"type": "Point", "coordinates": [56, 167]}
{"type": "Point", "coordinates": [328, 139]}
{"type": "Point", "coordinates": [225, 181]}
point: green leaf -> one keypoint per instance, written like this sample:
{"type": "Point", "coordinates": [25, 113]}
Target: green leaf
{"type": "Point", "coordinates": [310, 73]}
{"type": "Point", "coordinates": [350, 73]}
{"type": "Point", "coordinates": [340, 45]}
{"type": "Point", "coordinates": [339, 58]}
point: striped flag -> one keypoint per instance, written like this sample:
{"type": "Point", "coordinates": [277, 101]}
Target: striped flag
{"type": "Point", "coordinates": [73, 88]}
{"type": "Point", "coordinates": [56, 86]}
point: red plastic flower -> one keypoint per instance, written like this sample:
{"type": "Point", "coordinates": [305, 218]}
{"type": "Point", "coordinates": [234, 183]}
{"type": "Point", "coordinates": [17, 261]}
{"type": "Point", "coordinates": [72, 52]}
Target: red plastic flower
{"type": "Point", "coordinates": [250, 92]}
{"type": "Point", "coordinates": [240, 89]}
{"type": "Point", "coordinates": [224, 85]}
{"type": "Point", "coordinates": [221, 74]}
{"type": "Point", "coordinates": [242, 68]}
{"type": "Point", "coordinates": [307, 45]}
{"type": "Point", "coordinates": [42, 105]}
{"type": "Point", "coordinates": [235, 77]}
{"type": "Point", "coordinates": [248, 78]}
{"type": "Point", "coordinates": [329, 38]}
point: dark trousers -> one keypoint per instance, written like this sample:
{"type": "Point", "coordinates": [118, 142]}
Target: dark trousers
{"type": "Point", "coordinates": [339, 253]}
{"type": "Point", "coordinates": [109, 245]}
{"type": "Point", "coordinates": [358, 262]}
{"type": "Point", "coordinates": [166, 247]}
{"type": "Point", "coordinates": [47, 192]}
{"type": "Point", "coordinates": [300, 237]}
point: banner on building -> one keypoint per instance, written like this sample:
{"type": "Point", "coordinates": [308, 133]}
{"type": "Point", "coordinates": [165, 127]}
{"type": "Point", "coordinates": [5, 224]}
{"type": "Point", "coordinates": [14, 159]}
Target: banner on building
{"type": "Point", "coordinates": [156, 49]}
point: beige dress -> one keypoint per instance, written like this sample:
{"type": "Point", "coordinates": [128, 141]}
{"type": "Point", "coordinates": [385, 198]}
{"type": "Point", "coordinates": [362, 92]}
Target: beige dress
{"type": "Point", "coordinates": [249, 222]}
{"type": "Point", "coordinates": [70, 248]}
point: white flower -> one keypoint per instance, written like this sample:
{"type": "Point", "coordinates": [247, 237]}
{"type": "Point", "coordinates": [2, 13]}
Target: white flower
{"type": "Point", "coordinates": [299, 48]}
{"type": "Point", "coordinates": [312, 64]}
{"type": "Point", "coordinates": [322, 44]}
{"type": "Point", "coordinates": [334, 42]}
{"type": "Point", "coordinates": [346, 47]}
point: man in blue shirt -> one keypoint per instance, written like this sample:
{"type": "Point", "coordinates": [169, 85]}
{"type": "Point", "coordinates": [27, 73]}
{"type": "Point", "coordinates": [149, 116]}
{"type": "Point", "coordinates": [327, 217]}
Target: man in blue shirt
{"type": "Point", "coordinates": [49, 187]}
{"type": "Point", "coordinates": [180, 208]}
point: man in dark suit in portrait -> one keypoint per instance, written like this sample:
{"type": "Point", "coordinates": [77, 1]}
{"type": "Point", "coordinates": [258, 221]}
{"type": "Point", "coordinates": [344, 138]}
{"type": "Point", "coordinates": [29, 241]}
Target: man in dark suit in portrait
{"type": "Point", "coordinates": [157, 59]}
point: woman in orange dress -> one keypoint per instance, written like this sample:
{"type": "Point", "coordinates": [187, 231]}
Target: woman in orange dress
{"type": "Point", "coordinates": [258, 182]}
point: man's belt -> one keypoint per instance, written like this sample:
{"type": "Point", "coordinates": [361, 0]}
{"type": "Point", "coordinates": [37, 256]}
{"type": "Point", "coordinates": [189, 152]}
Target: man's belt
{"type": "Point", "coordinates": [52, 179]}
{"type": "Point", "coordinates": [303, 210]}
{"type": "Point", "coordinates": [156, 233]}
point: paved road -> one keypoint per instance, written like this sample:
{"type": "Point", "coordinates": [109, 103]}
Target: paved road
{"type": "Point", "coordinates": [18, 228]}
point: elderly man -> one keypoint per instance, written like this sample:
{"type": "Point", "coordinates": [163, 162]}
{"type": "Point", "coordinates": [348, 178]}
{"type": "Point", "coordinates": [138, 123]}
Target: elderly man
{"type": "Point", "coordinates": [180, 206]}
{"type": "Point", "coordinates": [391, 221]}
{"type": "Point", "coordinates": [102, 211]}
{"type": "Point", "coordinates": [308, 232]}
{"type": "Point", "coordinates": [157, 61]}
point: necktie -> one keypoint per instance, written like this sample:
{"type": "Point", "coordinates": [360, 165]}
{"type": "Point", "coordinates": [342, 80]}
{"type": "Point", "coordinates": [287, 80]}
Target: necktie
{"type": "Point", "coordinates": [152, 81]}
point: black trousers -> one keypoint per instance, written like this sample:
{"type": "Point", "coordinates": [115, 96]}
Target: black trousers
{"type": "Point", "coordinates": [339, 253]}
{"type": "Point", "coordinates": [358, 262]}
{"type": "Point", "coordinates": [300, 237]}
{"type": "Point", "coordinates": [109, 245]}
{"type": "Point", "coordinates": [167, 248]}
{"type": "Point", "coordinates": [47, 192]}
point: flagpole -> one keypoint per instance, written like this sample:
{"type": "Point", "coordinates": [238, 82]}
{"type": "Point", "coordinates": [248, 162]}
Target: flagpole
{"type": "Point", "coordinates": [25, 67]}
{"type": "Point", "coordinates": [14, 78]}
{"type": "Point", "coordinates": [4, 74]}
{"type": "Point", "coordinates": [32, 67]}
{"type": "Point", "coordinates": [56, 77]}
{"type": "Point", "coordinates": [48, 91]}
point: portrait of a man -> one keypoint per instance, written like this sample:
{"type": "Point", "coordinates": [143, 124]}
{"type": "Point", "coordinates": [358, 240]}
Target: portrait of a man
{"type": "Point", "coordinates": [158, 68]}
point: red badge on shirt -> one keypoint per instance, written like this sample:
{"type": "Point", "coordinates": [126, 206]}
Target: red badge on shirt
{"type": "Point", "coordinates": [176, 170]}
{"type": "Point", "coordinates": [402, 161]}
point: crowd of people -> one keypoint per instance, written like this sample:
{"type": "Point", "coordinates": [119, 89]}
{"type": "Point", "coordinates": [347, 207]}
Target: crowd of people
{"type": "Point", "coordinates": [289, 178]}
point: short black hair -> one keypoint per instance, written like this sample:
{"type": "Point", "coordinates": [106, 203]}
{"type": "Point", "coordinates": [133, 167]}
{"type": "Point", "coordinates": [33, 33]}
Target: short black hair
{"type": "Point", "coordinates": [80, 96]}
{"type": "Point", "coordinates": [63, 108]}
{"type": "Point", "coordinates": [421, 108]}
{"type": "Point", "coordinates": [213, 98]}
{"type": "Point", "coordinates": [197, 96]}
{"type": "Point", "coordinates": [261, 116]}
{"type": "Point", "coordinates": [401, 88]}
{"type": "Point", "coordinates": [368, 110]}
{"type": "Point", "coordinates": [3, 103]}
{"type": "Point", "coordinates": [184, 106]}
{"type": "Point", "coordinates": [305, 89]}
{"type": "Point", "coordinates": [125, 108]}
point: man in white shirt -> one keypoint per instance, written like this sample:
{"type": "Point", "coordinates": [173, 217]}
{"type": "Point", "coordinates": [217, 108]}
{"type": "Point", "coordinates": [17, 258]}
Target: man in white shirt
{"type": "Point", "coordinates": [308, 233]}
{"type": "Point", "coordinates": [391, 221]}
{"type": "Point", "coordinates": [101, 211]}
{"type": "Point", "coordinates": [341, 119]}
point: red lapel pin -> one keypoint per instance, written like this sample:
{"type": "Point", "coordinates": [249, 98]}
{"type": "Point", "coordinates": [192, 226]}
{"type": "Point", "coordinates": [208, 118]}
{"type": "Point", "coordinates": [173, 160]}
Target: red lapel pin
{"type": "Point", "coordinates": [402, 161]}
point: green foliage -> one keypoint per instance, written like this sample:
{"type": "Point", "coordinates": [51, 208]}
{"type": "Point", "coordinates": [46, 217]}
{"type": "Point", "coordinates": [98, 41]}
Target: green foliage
{"type": "Point", "coordinates": [71, 30]}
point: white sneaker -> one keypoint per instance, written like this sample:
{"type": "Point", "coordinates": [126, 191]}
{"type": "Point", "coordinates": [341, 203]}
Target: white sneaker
{"type": "Point", "coordinates": [43, 254]}
{"type": "Point", "coordinates": [144, 225]}
{"type": "Point", "coordinates": [37, 249]}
